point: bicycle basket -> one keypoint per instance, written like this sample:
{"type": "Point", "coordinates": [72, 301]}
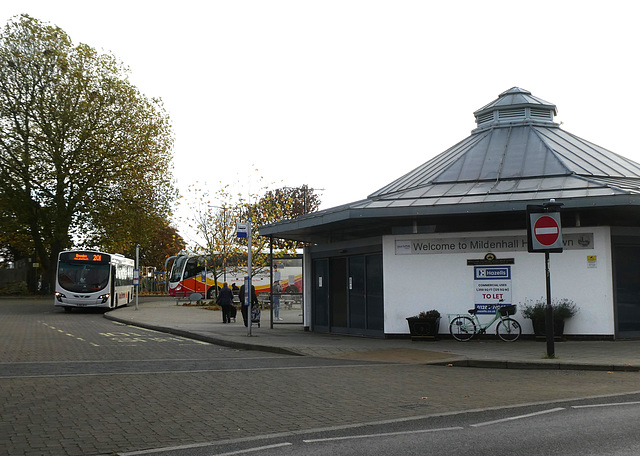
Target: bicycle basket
{"type": "Point", "coordinates": [507, 310]}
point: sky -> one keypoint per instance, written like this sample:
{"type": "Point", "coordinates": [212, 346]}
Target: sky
{"type": "Point", "coordinates": [346, 96]}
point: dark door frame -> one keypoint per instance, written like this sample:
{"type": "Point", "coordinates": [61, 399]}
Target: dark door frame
{"type": "Point", "coordinates": [624, 238]}
{"type": "Point", "coordinates": [323, 291]}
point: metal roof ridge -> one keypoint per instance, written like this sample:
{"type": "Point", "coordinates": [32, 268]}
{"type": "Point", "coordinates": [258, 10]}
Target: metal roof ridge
{"type": "Point", "coordinates": [441, 160]}
{"type": "Point", "coordinates": [593, 154]}
{"type": "Point", "coordinates": [551, 150]}
{"type": "Point", "coordinates": [594, 147]}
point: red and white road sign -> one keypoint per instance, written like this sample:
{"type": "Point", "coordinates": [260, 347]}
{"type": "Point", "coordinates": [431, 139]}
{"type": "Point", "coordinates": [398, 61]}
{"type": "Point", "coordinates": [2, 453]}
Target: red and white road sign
{"type": "Point", "coordinates": [546, 230]}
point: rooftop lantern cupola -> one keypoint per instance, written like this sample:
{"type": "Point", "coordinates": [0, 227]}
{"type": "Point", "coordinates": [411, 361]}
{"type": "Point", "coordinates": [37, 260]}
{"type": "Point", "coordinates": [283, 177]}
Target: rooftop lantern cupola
{"type": "Point", "coordinates": [516, 106]}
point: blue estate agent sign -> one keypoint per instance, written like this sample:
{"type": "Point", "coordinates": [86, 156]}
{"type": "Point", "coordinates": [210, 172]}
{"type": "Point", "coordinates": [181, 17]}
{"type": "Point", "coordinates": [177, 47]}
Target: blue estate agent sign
{"type": "Point", "coordinates": [492, 272]}
{"type": "Point", "coordinates": [492, 288]}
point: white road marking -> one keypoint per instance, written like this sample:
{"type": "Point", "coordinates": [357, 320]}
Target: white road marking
{"type": "Point", "coordinates": [202, 445]}
{"type": "Point", "coordinates": [386, 434]}
{"type": "Point", "coordinates": [253, 450]}
{"type": "Point", "coordinates": [613, 404]}
{"type": "Point", "coordinates": [529, 415]}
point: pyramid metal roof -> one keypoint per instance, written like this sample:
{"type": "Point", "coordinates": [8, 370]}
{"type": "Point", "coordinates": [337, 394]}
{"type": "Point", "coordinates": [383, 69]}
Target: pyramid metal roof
{"type": "Point", "coordinates": [517, 155]}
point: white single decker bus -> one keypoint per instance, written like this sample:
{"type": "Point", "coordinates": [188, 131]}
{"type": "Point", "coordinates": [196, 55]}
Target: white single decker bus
{"type": "Point", "coordinates": [86, 278]}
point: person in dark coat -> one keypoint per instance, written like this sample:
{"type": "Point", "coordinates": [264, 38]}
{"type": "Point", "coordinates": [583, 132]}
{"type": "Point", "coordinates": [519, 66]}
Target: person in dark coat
{"type": "Point", "coordinates": [225, 300]}
{"type": "Point", "coordinates": [254, 302]}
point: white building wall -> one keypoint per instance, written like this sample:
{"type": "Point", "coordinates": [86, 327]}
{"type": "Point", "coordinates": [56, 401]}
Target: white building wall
{"type": "Point", "coordinates": [443, 280]}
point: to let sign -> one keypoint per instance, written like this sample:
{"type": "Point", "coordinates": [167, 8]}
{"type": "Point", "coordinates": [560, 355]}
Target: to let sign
{"type": "Point", "coordinates": [492, 287]}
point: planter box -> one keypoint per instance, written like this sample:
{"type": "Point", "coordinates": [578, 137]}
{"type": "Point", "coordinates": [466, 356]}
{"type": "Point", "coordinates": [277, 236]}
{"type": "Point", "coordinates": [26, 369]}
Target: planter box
{"type": "Point", "coordinates": [540, 330]}
{"type": "Point", "coordinates": [423, 328]}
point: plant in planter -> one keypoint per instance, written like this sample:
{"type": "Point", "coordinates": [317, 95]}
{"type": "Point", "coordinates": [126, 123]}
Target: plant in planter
{"type": "Point", "coordinates": [425, 325]}
{"type": "Point", "coordinates": [536, 311]}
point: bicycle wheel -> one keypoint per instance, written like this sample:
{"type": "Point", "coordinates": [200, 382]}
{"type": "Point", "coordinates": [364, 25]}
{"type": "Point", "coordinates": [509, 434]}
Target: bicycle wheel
{"type": "Point", "coordinates": [508, 330]}
{"type": "Point", "coordinates": [462, 328]}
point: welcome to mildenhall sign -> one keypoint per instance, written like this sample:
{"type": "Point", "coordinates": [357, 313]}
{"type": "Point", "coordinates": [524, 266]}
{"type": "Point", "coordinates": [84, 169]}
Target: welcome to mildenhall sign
{"type": "Point", "coordinates": [576, 241]}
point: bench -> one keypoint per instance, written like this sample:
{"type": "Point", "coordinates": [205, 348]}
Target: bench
{"type": "Point", "coordinates": [192, 297]}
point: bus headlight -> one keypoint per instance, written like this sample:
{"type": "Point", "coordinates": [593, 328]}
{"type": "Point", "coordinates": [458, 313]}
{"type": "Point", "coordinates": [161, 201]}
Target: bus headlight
{"type": "Point", "coordinates": [59, 296]}
{"type": "Point", "coordinates": [104, 297]}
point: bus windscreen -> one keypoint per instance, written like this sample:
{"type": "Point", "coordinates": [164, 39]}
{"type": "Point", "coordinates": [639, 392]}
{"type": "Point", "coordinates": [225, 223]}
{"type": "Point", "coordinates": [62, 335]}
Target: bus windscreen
{"type": "Point", "coordinates": [81, 277]}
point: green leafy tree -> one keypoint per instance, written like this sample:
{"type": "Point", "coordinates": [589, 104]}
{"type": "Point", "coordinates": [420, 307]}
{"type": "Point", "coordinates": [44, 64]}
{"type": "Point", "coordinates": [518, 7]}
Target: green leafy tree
{"type": "Point", "coordinates": [15, 242]}
{"type": "Point", "coordinates": [77, 140]}
{"type": "Point", "coordinates": [162, 244]}
{"type": "Point", "coordinates": [133, 218]}
{"type": "Point", "coordinates": [286, 203]}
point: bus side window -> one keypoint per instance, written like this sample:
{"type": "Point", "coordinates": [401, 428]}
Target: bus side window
{"type": "Point", "coordinates": [192, 269]}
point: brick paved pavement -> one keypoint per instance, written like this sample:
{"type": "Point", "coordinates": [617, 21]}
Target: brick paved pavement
{"type": "Point", "coordinates": [192, 399]}
{"type": "Point", "coordinates": [164, 315]}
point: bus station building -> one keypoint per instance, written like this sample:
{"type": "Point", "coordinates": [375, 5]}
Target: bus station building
{"type": "Point", "coordinates": [452, 234]}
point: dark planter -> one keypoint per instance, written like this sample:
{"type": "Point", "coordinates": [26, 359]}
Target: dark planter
{"type": "Point", "coordinates": [423, 328]}
{"type": "Point", "coordinates": [540, 330]}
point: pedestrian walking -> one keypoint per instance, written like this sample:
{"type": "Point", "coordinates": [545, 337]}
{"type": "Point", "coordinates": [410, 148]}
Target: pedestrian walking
{"type": "Point", "coordinates": [225, 300]}
{"type": "Point", "coordinates": [277, 291]}
{"type": "Point", "coordinates": [254, 302]}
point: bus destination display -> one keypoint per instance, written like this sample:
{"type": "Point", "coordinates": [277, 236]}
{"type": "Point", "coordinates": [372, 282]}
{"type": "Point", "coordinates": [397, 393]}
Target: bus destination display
{"type": "Point", "coordinates": [87, 257]}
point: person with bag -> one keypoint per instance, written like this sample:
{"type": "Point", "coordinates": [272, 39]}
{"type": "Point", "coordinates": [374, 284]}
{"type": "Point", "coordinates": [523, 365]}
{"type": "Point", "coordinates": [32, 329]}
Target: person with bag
{"type": "Point", "coordinates": [225, 300]}
{"type": "Point", "coordinates": [254, 302]}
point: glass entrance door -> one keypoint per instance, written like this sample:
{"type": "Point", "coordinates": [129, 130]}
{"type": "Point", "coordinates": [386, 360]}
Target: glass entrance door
{"type": "Point", "coordinates": [627, 290]}
{"type": "Point", "coordinates": [338, 294]}
{"type": "Point", "coordinates": [348, 295]}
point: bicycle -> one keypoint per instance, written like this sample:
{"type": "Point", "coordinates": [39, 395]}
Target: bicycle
{"type": "Point", "coordinates": [463, 328]}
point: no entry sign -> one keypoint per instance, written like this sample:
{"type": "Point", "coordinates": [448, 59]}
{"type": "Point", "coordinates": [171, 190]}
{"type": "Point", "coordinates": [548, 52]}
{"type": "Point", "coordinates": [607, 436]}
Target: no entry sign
{"type": "Point", "coordinates": [545, 232]}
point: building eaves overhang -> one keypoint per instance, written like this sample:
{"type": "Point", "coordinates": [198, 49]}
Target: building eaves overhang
{"type": "Point", "coordinates": [373, 218]}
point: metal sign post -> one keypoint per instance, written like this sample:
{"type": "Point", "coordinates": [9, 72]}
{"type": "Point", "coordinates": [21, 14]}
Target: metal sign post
{"type": "Point", "coordinates": [136, 274]}
{"type": "Point", "coordinates": [544, 234]}
{"type": "Point", "coordinates": [244, 231]}
{"type": "Point", "coordinates": [250, 290]}
{"type": "Point", "coordinates": [203, 276]}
